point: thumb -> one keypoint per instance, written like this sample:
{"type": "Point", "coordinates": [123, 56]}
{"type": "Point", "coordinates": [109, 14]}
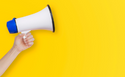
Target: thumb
{"type": "Point", "coordinates": [21, 35]}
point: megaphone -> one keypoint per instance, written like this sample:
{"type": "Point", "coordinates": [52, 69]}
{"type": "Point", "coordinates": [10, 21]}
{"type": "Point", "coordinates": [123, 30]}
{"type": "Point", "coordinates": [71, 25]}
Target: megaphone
{"type": "Point", "coordinates": [40, 20]}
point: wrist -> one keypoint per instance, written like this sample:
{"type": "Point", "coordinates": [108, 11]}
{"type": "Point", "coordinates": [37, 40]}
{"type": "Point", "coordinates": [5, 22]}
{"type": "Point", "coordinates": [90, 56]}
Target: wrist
{"type": "Point", "coordinates": [15, 48]}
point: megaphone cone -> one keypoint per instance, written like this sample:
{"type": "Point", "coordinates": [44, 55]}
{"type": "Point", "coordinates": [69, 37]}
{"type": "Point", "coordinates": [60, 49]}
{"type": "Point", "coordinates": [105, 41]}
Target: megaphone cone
{"type": "Point", "coordinates": [40, 20]}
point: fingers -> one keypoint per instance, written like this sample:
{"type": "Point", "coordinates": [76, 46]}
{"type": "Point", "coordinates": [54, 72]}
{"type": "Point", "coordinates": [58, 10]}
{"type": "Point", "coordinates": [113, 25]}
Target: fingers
{"type": "Point", "coordinates": [29, 39]}
{"type": "Point", "coordinates": [30, 44]}
{"type": "Point", "coordinates": [28, 34]}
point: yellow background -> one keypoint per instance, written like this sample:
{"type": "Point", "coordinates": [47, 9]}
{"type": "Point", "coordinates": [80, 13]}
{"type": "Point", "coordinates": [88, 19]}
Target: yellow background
{"type": "Point", "coordinates": [89, 40]}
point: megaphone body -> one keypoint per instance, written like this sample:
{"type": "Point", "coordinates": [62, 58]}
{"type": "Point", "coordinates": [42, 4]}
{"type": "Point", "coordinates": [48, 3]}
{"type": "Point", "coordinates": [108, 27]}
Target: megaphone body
{"type": "Point", "coordinates": [40, 20]}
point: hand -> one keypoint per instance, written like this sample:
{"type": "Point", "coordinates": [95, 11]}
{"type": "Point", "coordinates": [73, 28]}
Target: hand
{"type": "Point", "coordinates": [21, 44]}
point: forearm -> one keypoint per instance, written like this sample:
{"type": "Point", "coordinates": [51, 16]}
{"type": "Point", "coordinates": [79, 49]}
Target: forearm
{"type": "Point", "coordinates": [20, 44]}
{"type": "Point", "coordinates": [8, 59]}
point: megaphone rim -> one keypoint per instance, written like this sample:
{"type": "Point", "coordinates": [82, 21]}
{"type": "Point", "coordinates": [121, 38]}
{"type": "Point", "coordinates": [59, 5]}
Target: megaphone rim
{"type": "Point", "coordinates": [52, 18]}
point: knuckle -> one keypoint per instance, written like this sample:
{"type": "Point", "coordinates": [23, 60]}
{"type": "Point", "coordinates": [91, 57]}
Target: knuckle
{"type": "Point", "coordinates": [31, 35]}
{"type": "Point", "coordinates": [27, 41]}
{"type": "Point", "coordinates": [33, 39]}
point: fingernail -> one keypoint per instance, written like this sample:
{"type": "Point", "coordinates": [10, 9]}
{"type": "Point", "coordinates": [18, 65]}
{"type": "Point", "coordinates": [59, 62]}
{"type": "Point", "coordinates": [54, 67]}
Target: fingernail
{"type": "Point", "coordinates": [31, 43]}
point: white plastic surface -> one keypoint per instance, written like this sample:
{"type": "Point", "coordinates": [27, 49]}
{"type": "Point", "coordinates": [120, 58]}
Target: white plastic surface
{"type": "Point", "coordinates": [39, 20]}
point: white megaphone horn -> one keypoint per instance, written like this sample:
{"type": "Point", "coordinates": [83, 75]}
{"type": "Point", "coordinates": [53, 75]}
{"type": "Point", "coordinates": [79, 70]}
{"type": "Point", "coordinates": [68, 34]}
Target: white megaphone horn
{"type": "Point", "coordinates": [40, 20]}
